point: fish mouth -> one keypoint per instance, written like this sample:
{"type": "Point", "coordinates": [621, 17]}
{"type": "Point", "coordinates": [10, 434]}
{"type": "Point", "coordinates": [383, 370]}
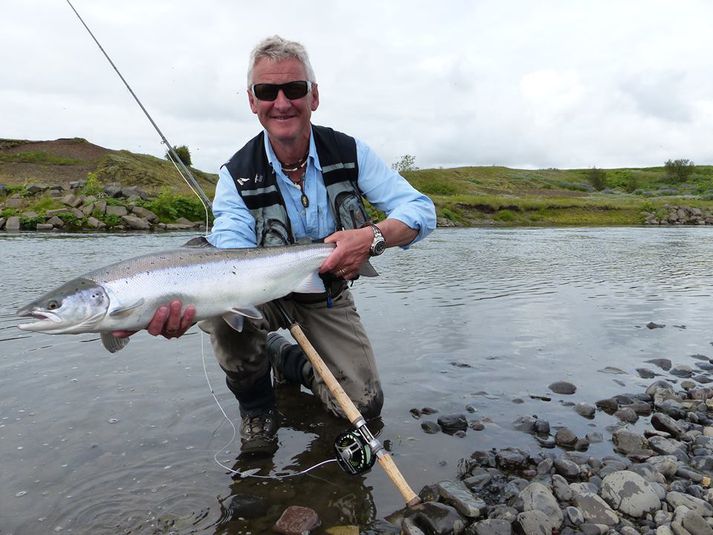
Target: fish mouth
{"type": "Point", "coordinates": [46, 319]}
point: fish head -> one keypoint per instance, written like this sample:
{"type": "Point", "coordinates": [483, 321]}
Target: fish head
{"type": "Point", "coordinates": [74, 307]}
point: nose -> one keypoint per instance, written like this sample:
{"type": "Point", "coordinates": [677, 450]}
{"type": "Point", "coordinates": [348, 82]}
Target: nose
{"type": "Point", "coordinates": [282, 101]}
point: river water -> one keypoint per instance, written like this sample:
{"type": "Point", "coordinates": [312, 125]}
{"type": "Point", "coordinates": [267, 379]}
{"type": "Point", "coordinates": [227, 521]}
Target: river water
{"type": "Point", "coordinates": [470, 321]}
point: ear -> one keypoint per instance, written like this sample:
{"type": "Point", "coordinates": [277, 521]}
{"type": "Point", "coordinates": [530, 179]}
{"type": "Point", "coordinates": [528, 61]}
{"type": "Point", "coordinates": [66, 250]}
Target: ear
{"type": "Point", "coordinates": [314, 102]}
{"type": "Point", "coordinates": [252, 101]}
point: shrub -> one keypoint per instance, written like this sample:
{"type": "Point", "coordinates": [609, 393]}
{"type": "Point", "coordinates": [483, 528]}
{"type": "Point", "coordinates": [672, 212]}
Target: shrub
{"type": "Point", "coordinates": [407, 162]}
{"type": "Point", "coordinates": [679, 170]}
{"type": "Point", "coordinates": [597, 178]}
{"type": "Point", "coordinates": [93, 185]}
{"type": "Point", "coordinates": [169, 206]}
{"type": "Point", "coordinates": [183, 153]}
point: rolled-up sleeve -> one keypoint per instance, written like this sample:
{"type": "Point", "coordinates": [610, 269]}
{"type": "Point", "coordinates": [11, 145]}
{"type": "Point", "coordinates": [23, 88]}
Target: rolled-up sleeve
{"type": "Point", "coordinates": [392, 194]}
{"type": "Point", "coordinates": [234, 225]}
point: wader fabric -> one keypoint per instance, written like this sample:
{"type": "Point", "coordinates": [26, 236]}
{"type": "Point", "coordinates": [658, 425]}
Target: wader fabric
{"type": "Point", "coordinates": [336, 333]}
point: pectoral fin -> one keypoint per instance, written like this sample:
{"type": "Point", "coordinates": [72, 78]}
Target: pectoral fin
{"type": "Point", "coordinates": [367, 270]}
{"type": "Point", "coordinates": [236, 316]}
{"type": "Point", "coordinates": [313, 284]}
{"type": "Point", "coordinates": [112, 343]}
{"type": "Point", "coordinates": [122, 311]}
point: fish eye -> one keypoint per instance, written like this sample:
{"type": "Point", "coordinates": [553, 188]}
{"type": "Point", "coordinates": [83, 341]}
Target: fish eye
{"type": "Point", "coordinates": [53, 305]}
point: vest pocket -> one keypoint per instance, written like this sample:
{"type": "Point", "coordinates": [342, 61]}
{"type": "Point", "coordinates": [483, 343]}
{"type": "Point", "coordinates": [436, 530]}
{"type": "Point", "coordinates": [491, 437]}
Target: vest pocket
{"type": "Point", "coordinates": [275, 233]}
{"type": "Point", "coordinates": [349, 211]}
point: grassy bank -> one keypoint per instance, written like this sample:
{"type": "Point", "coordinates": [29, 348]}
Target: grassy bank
{"type": "Point", "coordinates": [502, 196]}
{"type": "Point", "coordinates": [464, 196]}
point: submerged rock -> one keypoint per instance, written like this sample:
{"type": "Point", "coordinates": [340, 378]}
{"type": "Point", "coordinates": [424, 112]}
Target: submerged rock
{"type": "Point", "coordinates": [563, 387]}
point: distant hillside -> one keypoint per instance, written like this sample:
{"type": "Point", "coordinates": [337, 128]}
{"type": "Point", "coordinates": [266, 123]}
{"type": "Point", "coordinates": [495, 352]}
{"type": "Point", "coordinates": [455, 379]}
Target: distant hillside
{"type": "Point", "coordinates": [62, 161]}
{"type": "Point", "coordinates": [503, 196]}
{"type": "Point", "coordinates": [464, 196]}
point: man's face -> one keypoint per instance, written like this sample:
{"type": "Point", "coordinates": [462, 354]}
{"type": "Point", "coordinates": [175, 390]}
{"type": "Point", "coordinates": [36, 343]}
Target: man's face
{"type": "Point", "coordinates": [285, 120]}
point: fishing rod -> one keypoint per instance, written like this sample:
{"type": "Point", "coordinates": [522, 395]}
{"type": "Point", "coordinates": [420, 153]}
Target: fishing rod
{"type": "Point", "coordinates": [357, 449]}
{"type": "Point", "coordinates": [173, 156]}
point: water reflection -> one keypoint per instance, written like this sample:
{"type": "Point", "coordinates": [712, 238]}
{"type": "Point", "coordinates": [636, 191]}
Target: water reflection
{"type": "Point", "coordinates": [484, 318]}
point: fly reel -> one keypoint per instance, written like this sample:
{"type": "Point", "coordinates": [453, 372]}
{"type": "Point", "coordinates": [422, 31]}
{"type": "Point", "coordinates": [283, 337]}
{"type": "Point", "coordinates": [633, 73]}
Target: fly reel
{"type": "Point", "coordinates": [357, 449]}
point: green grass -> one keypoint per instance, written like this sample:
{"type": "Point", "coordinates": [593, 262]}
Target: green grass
{"type": "Point", "coordinates": [37, 157]}
{"type": "Point", "coordinates": [509, 197]}
{"type": "Point", "coordinates": [147, 172]}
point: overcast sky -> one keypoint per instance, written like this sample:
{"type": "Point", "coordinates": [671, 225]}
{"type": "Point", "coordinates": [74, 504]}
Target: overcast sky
{"type": "Point", "coordinates": [526, 84]}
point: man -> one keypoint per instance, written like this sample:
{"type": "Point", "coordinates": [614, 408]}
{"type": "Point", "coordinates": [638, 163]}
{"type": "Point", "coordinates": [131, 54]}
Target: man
{"type": "Point", "coordinates": [297, 182]}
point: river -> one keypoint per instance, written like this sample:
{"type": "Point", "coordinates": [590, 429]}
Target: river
{"type": "Point", "coordinates": [470, 321]}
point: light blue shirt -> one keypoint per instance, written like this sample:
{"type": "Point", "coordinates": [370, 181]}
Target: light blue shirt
{"type": "Point", "coordinates": [234, 225]}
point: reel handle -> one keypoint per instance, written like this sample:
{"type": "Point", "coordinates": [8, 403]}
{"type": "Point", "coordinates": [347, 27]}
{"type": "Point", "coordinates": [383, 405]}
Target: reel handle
{"type": "Point", "coordinates": [350, 410]}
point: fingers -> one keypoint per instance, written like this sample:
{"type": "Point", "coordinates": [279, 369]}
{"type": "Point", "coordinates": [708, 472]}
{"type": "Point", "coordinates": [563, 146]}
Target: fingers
{"type": "Point", "coordinates": [169, 322]}
{"type": "Point", "coordinates": [351, 251]}
{"type": "Point", "coordinates": [123, 334]}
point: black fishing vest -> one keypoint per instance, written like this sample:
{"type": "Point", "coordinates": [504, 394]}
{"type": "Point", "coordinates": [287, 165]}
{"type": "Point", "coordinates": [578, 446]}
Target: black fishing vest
{"type": "Point", "coordinates": [256, 182]}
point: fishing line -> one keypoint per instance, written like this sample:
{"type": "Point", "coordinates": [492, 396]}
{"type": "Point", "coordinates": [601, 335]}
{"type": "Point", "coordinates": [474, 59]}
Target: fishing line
{"type": "Point", "coordinates": [252, 472]}
{"type": "Point", "coordinates": [177, 162]}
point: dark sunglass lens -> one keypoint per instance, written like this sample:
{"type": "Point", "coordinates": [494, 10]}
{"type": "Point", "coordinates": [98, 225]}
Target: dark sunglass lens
{"type": "Point", "coordinates": [266, 91]}
{"type": "Point", "coordinates": [295, 90]}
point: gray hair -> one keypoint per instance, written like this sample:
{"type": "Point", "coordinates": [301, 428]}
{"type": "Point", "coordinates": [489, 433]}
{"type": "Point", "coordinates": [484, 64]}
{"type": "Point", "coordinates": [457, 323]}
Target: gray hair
{"type": "Point", "coordinates": [276, 48]}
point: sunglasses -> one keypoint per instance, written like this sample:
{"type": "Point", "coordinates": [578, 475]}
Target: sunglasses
{"type": "Point", "coordinates": [291, 90]}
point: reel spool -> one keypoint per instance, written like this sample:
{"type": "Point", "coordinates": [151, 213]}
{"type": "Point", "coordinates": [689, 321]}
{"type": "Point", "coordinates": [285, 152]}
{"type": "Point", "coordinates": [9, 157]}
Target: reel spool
{"type": "Point", "coordinates": [354, 453]}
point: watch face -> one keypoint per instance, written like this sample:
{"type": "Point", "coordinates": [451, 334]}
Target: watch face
{"type": "Point", "coordinates": [378, 247]}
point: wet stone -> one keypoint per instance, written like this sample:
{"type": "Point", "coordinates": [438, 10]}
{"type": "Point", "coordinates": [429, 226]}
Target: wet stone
{"type": "Point", "coordinates": [596, 510]}
{"type": "Point", "coordinates": [538, 497]}
{"type": "Point", "coordinates": [609, 405]}
{"type": "Point", "coordinates": [247, 506]}
{"type": "Point", "coordinates": [456, 494]}
{"type": "Point", "coordinates": [450, 423]}
{"type": "Point", "coordinates": [694, 523]}
{"type": "Point", "coordinates": [563, 387]}
{"type": "Point", "coordinates": [627, 414]}
{"type": "Point", "coordinates": [565, 438]}
{"type": "Point", "coordinates": [511, 459]}
{"type": "Point", "coordinates": [574, 515]}
{"type": "Point", "coordinates": [542, 427]}
{"type": "Point", "coordinates": [681, 371]}
{"type": "Point", "coordinates": [436, 518]}
{"type": "Point", "coordinates": [296, 520]}
{"type": "Point", "coordinates": [663, 422]}
{"type": "Point", "coordinates": [658, 386]}
{"type": "Point", "coordinates": [566, 468]}
{"type": "Point", "coordinates": [493, 526]}
{"type": "Point", "coordinates": [646, 373]}
{"type": "Point", "coordinates": [534, 523]}
{"type": "Point", "coordinates": [526, 424]}
{"type": "Point", "coordinates": [667, 446]}
{"type": "Point", "coordinates": [676, 499]}
{"type": "Point", "coordinates": [585, 409]}
{"type": "Point", "coordinates": [627, 442]}
{"type": "Point", "coordinates": [430, 427]}
{"type": "Point", "coordinates": [629, 493]}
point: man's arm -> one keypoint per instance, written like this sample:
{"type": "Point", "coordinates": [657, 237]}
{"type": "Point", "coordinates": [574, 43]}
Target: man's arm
{"type": "Point", "coordinates": [411, 216]}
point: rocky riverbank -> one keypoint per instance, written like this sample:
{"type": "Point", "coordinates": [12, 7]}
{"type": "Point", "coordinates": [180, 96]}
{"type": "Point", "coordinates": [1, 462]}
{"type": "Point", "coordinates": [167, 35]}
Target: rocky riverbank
{"type": "Point", "coordinates": [657, 480]}
{"type": "Point", "coordinates": [78, 207]}
{"type": "Point", "coordinates": [678, 215]}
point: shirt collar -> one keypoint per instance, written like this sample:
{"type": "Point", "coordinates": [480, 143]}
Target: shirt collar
{"type": "Point", "coordinates": [275, 163]}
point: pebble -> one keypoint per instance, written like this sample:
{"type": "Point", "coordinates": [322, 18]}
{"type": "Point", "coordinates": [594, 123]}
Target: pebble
{"type": "Point", "coordinates": [296, 520]}
{"type": "Point", "coordinates": [585, 409]}
{"type": "Point", "coordinates": [563, 387]}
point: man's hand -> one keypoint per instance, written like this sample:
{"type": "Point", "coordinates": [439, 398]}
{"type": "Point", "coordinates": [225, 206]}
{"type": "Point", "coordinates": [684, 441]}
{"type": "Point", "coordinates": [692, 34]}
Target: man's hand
{"type": "Point", "coordinates": [167, 321]}
{"type": "Point", "coordinates": [351, 252]}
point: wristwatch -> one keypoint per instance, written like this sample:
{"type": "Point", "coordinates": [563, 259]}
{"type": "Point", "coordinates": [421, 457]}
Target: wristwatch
{"type": "Point", "coordinates": [378, 246]}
